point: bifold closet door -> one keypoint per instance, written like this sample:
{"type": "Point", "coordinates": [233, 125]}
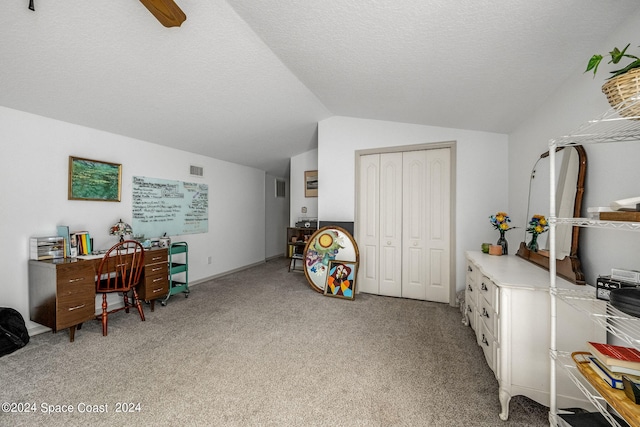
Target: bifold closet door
{"type": "Point", "coordinates": [426, 225]}
{"type": "Point", "coordinates": [404, 223]}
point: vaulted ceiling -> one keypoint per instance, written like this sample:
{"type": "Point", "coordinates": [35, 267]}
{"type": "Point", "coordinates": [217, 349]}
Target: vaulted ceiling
{"type": "Point", "coordinates": [247, 81]}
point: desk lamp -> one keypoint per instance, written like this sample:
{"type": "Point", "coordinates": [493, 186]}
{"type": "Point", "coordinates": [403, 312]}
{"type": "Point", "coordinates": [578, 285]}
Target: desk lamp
{"type": "Point", "coordinates": [120, 228]}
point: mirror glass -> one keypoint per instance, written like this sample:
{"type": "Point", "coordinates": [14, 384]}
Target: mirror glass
{"type": "Point", "coordinates": [570, 170]}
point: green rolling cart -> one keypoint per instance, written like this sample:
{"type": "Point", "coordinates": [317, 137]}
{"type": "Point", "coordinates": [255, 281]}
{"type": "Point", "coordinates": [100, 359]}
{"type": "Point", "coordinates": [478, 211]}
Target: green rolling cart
{"type": "Point", "coordinates": [178, 270]}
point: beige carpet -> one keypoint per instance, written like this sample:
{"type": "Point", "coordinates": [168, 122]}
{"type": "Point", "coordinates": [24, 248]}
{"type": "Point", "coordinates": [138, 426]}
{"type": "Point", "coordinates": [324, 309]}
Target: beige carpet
{"type": "Point", "coordinates": [260, 348]}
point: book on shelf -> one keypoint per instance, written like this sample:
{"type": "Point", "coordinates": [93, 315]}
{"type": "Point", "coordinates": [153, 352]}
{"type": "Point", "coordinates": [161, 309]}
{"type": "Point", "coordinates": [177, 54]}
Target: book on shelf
{"type": "Point", "coordinates": [63, 231]}
{"type": "Point", "coordinates": [614, 379]}
{"type": "Point", "coordinates": [616, 358]}
{"type": "Point", "coordinates": [83, 242]}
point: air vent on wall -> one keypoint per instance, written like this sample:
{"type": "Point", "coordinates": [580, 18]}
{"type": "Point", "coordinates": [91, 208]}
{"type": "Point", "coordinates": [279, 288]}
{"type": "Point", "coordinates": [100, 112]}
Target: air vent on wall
{"type": "Point", "coordinates": [196, 170]}
{"type": "Point", "coordinates": [281, 188]}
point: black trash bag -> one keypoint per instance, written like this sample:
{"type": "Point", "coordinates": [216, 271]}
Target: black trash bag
{"type": "Point", "coordinates": [13, 332]}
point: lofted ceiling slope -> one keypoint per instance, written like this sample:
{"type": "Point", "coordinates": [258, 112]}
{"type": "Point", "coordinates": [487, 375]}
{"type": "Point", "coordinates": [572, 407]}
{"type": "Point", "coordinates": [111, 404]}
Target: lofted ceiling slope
{"type": "Point", "coordinates": [247, 82]}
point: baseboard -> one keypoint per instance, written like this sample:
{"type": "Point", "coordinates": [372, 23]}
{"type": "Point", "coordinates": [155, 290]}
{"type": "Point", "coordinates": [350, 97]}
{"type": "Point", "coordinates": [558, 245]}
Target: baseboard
{"type": "Point", "coordinates": [226, 273]}
{"type": "Point", "coordinates": [37, 329]}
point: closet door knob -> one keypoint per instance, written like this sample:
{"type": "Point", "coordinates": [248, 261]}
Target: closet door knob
{"type": "Point", "coordinates": [388, 243]}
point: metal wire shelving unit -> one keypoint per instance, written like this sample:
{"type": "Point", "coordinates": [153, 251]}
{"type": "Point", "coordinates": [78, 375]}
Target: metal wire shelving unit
{"type": "Point", "coordinates": [615, 126]}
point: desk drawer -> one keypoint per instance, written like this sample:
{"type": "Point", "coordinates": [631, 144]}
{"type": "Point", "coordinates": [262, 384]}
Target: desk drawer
{"type": "Point", "coordinates": [75, 308]}
{"type": "Point", "coordinates": [156, 256]}
{"type": "Point", "coordinates": [156, 269]}
{"type": "Point", "coordinates": [154, 286]}
{"type": "Point", "coordinates": [72, 277]}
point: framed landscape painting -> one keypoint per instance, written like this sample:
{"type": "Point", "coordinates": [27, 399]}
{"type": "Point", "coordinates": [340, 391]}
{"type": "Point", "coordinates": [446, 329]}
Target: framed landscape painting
{"type": "Point", "coordinates": [94, 180]}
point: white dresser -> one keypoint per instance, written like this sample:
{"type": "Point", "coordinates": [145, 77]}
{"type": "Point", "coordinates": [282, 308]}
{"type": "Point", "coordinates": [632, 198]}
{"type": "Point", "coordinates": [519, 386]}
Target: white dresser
{"type": "Point", "coordinates": [508, 307]}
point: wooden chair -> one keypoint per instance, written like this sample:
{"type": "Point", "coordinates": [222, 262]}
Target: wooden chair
{"type": "Point", "coordinates": [120, 271]}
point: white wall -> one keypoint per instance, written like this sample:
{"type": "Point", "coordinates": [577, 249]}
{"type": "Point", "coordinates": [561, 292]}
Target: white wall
{"type": "Point", "coordinates": [299, 164]}
{"type": "Point", "coordinates": [612, 169]}
{"type": "Point", "coordinates": [276, 218]}
{"type": "Point", "coordinates": [34, 177]}
{"type": "Point", "coordinates": [481, 173]}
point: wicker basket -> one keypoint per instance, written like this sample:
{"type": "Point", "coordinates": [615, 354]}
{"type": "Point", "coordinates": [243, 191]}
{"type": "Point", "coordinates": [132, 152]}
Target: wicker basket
{"type": "Point", "coordinates": [623, 93]}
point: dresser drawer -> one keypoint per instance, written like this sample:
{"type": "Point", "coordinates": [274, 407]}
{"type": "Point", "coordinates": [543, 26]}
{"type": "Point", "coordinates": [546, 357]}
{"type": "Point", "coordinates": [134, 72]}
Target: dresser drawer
{"type": "Point", "coordinates": [489, 347]}
{"type": "Point", "coordinates": [471, 284]}
{"type": "Point", "coordinates": [489, 292]}
{"type": "Point", "coordinates": [487, 316]}
{"type": "Point", "coordinates": [472, 314]}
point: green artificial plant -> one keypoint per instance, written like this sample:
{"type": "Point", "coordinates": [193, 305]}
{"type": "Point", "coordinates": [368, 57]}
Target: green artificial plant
{"type": "Point", "coordinates": [616, 56]}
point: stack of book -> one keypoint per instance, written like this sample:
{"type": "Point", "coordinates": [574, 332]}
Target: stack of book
{"type": "Point", "coordinates": [611, 362]}
{"type": "Point", "coordinates": [82, 241]}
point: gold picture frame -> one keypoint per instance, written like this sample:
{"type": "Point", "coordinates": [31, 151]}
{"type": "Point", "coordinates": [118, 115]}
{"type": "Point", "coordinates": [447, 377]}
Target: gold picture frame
{"type": "Point", "coordinates": [94, 180]}
{"type": "Point", "coordinates": [341, 279]}
{"type": "Point", "coordinates": [311, 183]}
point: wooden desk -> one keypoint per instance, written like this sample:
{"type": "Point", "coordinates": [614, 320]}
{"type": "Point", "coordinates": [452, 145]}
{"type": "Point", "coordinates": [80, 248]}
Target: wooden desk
{"type": "Point", "coordinates": [62, 292]}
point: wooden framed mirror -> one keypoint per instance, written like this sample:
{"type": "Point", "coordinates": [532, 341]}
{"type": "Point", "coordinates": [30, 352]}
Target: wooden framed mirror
{"type": "Point", "coordinates": [325, 245]}
{"type": "Point", "coordinates": [571, 170]}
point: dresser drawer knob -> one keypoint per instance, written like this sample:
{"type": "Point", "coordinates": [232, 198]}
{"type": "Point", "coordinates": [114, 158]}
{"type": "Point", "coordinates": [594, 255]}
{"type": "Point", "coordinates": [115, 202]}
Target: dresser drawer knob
{"type": "Point", "coordinates": [157, 290]}
{"type": "Point", "coordinates": [156, 258]}
{"type": "Point", "coordinates": [484, 340]}
{"type": "Point", "coordinates": [485, 313]}
{"type": "Point", "coordinates": [76, 307]}
{"type": "Point", "coordinates": [157, 279]}
{"type": "Point", "coordinates": [469, 309]}
{"type": "Point", "coordinates": [484, 287]}
{"type": "Point", "coordinates": [79, 279]}
{"type": "Point", "coordinates": [469, 268]}
{"type": "Point", "coordinates": [470, 288]}
{"type": "Point", "coordinates": [156, 269]}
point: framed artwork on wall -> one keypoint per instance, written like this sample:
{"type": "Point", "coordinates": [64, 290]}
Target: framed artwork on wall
{"type": "Point", "coordinates": [94, 180]}
{"type": "Point", "coordinates": [311, 183]}
{"type": "Point", "coordinates": [341, 279]}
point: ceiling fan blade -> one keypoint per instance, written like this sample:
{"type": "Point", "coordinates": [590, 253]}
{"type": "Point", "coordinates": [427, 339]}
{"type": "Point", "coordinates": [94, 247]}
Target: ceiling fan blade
{"type": "Point", "coordinates": [165, 11]}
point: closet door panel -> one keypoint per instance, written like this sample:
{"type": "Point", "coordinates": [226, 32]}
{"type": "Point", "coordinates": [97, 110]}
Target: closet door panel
{"type": "Point", "coordinates": [391, 224]}
{"type": "Point", "coordinates": [369, 224]}
{"type": "Point", "coordinates": [414, 258]}
{"type": "Point", "coordinates": [439, 224]}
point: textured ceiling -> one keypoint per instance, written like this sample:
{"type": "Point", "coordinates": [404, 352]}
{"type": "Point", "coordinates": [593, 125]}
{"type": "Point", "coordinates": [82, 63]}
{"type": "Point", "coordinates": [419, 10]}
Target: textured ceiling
{"type": "Point", "coordinates": [247, 81]}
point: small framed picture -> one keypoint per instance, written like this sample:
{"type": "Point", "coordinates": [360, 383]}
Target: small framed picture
{"type": "Point", "coordinates": [341, 279]}
{"type": "Point", "coordinates": [311, 184]}
{"type": "Point", "coordinates": [94, 180]}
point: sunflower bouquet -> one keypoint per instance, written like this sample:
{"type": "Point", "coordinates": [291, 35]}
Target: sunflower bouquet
{"type": "Point", "coordinates": [500, 221]}
{"type": "Point", "coordinates": [537, 226]}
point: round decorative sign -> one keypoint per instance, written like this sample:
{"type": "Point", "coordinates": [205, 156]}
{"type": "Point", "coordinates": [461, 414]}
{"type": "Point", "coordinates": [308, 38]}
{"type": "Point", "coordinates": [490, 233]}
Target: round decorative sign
{"type": "Point", "coordinates": [325, 245]}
